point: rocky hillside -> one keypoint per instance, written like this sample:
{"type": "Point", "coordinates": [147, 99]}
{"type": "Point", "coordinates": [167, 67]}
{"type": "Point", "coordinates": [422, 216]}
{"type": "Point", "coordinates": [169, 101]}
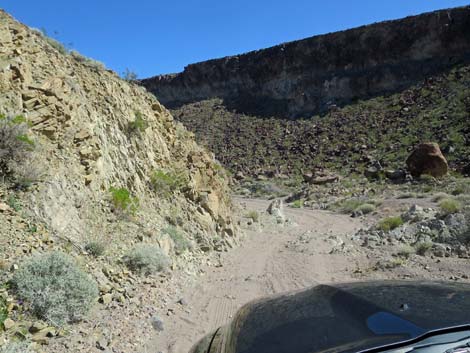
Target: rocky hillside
{"type": "Point", "coordinates": [346, 140]}
{"type": "Point", "coordinates": [306, 77]}
{"type": "Point", "coordinates": [96, 131]}
{"type": "Point", "coordinates": [94, 171]}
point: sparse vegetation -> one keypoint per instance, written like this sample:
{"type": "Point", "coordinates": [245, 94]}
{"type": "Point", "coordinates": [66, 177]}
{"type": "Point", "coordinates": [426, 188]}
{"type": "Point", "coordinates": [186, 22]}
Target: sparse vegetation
{"type": "Point", "coordinates": [449, 206]}
{"type": "Point", "coordinates": [405, 251]}
{"type": "Point", "coordinates": [54, 43]}
{"type": "Point", "coordinates": [95, 248]}
{"type": "Point", "coordinates": [123, 201]}
{"type": "Point", "coordinates": [16, 347]}
{"type": "Point", "coordinates": [358, 120]}
{"type": "Point", "coordinates": [390, 223]}
{"type": "Point", "coordinates": [129, 75]}
{"type": "Point", "coordinates": [366, 208]}
{"type": "Point", "coordinates": [16, 150]}
{"type": "Point", "coordinates": [3, 311]}
{"type": "Point", "coordinates": [55, 288]}
{"type": "Point", "coordinates": [14, 203]}
{"type": "Point", "coordinates": [91, 63]}
{"type": "Point", "coordinates": [297, 204]}
{"type": "Point", "coordinates": [166, 183]}
{"type": "Point", "coordinates": [439, 197]}
{"type": "Point", "coordinates": [253, 215]}
{"type": "Point", "coordinates": [138, 124]}
{"type": "Point", "coordinates": [356, 205]}
{"type": "Point", "coordinates": [423, 247]}
{"type": "Point", "coordinates": [181, 243]}
{"type": "Point", "coordinates": [146, 259]}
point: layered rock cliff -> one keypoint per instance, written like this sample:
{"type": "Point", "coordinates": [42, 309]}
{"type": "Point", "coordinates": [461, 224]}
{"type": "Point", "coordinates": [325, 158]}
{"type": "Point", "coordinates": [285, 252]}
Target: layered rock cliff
{"type": "Point", "coordinates": [95, 131]}
{"type": "Point", "coordinates": [306, 77]}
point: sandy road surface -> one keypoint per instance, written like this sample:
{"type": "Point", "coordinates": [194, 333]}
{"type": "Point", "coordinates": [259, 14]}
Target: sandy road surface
{"type": "Point", "coordinates": [271, 259]}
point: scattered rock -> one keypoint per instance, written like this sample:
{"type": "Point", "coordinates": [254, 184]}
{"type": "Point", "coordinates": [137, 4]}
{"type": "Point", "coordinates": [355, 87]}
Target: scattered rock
{"type": "Point", "coordinates": [397, 176]}
{"type": "Point", "coordinates": [107, 298]}
{"type": "Point", "coordinates": [416, 213]}
{"type": "Point", "coordinates": [427, 158]}
{"type": "Point", "coordinates": [157, 323]}
{"type": "Point", "coordinates": [275, 209]}
{"type": "Point", "coordinates": [8, 324]}
{"type": "Point", "coordinates": [4, 207]}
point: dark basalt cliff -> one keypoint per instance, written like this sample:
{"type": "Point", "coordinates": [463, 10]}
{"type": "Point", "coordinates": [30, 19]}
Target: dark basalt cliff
{"type": "Point", "coordinates": [306, 77]}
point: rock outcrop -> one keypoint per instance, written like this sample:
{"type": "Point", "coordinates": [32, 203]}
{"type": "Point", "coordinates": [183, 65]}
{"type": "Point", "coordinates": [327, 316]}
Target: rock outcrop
{"type": "Point", "coordinates": [427, 158]}
{"type": "Point", "coordinates": [309, 76]}
{"type": "Point", "coordinates": [83, 117]}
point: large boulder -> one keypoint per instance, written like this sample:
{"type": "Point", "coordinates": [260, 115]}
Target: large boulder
{"type": "Point", "coordinates": [427, 158]}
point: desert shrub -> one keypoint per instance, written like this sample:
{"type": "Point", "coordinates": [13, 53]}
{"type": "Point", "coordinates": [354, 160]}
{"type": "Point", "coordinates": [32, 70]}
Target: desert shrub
{"type": "Point", "coordinates": [390, 223]}
{"type": "Point", "coordinates": [405, 251]}
{"type": "Point", "coordinates": [55, 288]}
{"type": "Point", "coordinates": [16, 147]}
{"type": "Point", "coordinates": [95, 248]}
{"type": "Point", "coordinates": [348, 206]}
{"type": "Point", "coordinates": [3, 311]}
{"type": "Point", "coordinates": [54, 43]}
{"type": "Point", "coordinates": [366, 208]}
{"type": "Point", "coordinates": [14, 203]}
{"type": "Point", "coordinates": [253, 215]}
{"type": "Point", "coordinates": [407, 195]}
{"type": "Point", "coordinates": [129, 75]}
{"type": "Point", "coordinates": [449, 206]}
{"type": "Point", "coordinates": [297, 204]}
{"type": "Point", "coordinates": [91, 63]}
{"type": "Point", "coordinates": [423, 247]}
{"type": "Point", "coordinates": [165, 183]}
{"type": "Point", "coordinates": [123, 201]}
{"type": "Point", "coordinates": [16, 347]}
{"type": "Point", "coordinates": [146, 259]}
{"type": "Point", "coordinates": [439, 197]}
{"type": "Point", "coordinates": [181, 243]}
{"type": "Point", "coordinates": [138, 124]}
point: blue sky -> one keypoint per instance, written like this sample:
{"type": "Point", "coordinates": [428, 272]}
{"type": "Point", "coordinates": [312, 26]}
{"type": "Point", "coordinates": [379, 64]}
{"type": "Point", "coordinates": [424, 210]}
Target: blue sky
{"type": "Point", "coordinates": [154, 37]}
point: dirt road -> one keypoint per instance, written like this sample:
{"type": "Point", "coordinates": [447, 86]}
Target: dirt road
{"type": "Point", "coordinates": [272, 259]}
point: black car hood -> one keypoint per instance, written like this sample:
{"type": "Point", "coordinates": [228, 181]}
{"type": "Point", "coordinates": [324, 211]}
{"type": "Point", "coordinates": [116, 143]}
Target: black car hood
{"type": "Point", "coordinates": [346, 317]}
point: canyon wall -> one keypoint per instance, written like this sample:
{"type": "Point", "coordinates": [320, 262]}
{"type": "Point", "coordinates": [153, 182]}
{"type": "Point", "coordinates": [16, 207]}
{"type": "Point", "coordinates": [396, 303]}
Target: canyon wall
{"type": "Point", "coordinates": [306, 77]}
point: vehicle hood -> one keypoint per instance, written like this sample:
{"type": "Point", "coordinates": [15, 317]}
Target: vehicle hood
{"type": "Point", "coordinates": [346, 317]}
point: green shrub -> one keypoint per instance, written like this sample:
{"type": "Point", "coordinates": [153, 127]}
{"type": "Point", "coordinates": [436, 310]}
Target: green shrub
{"type": "Point", "coordinates": [55, 288]}
{"type": "Point", "coordinates": [16, 147]}
{"type": "Point", "coordinates": [95, 248]}
{"type": "Point", "coordinates": [406, 251]}
{"type": "Point", "coordinates": [366, 208]}
{"type": "Point", "coordinates": [439, 197]}
{"type": "Point", "coordinates": [423, 247]}
{"type": "Point", "coordinates": [181, 243]}
{"type": "Point", "coordinates": [146, 259]}
{"type": "Point", "coordinates": [56, 44]}
{"type": "Point", "coordinates": [407, 195]}
{"type": "Point", "coordinates": [390, 223]}
{"type": "Point", "coordinates": [349, 206]}
{"type": "Point", "coordinates": [253, 215]}
{"type": "Point", "coordinates": [138, 125]}
{"type": "Point", "coordinates": [91, 63]}
{"type": "Point", "coordinates": [449, 206]}
{"type": "Point", "coordinates": [16, 347]}
{"type": "Point", "coordinates": [166, 183]}
{"type": "Point", "coordinates": [297, 204]}
{"type": "Point", "coordinates": [123, 201]}
{"type": "Point", "coordinates": [3, 311]}
{"type": "Point", "coordinates": [14, 203]}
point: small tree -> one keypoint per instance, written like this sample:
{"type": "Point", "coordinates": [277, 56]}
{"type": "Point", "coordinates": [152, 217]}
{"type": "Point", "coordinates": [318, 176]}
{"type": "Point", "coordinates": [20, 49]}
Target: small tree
{"type": "Point", "coordinates": [129, 75]}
